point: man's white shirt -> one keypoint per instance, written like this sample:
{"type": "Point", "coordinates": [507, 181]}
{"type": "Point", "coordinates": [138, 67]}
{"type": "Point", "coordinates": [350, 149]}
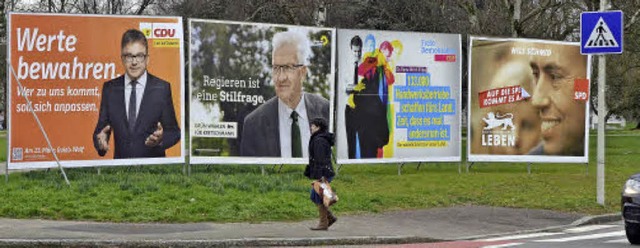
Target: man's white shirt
{"type": "Point", "coordinates": [285, 121]}
{"type": "Point", "coordinates": [142, 82]}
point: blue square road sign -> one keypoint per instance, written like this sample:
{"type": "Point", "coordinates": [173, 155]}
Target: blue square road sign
{"type": "Point", "coordinates": [601, 32]}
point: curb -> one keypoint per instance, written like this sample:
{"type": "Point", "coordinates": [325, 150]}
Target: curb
{"type": "Point", "coordinates": [323, 241]}
{"type": "Point", "coordinates": [597, 219]}
{"type": "Point", "coordinates": [587, 220]}
{"type": "Point", "coordinates": [355, 240]}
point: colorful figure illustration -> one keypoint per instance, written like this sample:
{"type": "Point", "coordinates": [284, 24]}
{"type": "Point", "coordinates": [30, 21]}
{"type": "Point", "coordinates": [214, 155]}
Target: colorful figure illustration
{"type": "Point", "coordinates": [368, 114]}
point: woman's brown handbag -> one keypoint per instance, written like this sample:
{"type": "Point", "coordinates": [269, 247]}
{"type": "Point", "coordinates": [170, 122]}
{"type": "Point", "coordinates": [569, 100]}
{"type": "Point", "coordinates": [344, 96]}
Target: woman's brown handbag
{"type": "Point", "coordinates": [323, 189]}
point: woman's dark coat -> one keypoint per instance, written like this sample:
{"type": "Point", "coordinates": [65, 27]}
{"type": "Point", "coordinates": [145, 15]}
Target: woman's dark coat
{"type": "Point", "coordinates": [320, 155]}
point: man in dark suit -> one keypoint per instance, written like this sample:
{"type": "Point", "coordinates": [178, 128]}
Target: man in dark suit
{"type": "Point", "coordinates": [280, 126]}
{"type": "Point", "coordinates": [366, 122]}
{"type": "Point", "coordinates": [137, 107]}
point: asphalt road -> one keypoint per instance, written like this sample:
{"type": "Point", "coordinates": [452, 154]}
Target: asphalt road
{"type": "Point", "coordinates": [608, 235]}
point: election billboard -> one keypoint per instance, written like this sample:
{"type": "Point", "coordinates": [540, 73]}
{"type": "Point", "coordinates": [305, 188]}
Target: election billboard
{"type": "Point", "coordinates": [398, 97]}
{"type": "Point", "coordinates": [106, 90]}
{"type": "Point", "coordinates": [528, 101]}
{"type": "Point", "coordinates": [254, 88]}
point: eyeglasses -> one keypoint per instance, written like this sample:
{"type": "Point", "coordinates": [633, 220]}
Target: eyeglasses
{"type": "Point", "coordinates": [277, 69]}
{"type": "Point", "coordinates": [137, 58]}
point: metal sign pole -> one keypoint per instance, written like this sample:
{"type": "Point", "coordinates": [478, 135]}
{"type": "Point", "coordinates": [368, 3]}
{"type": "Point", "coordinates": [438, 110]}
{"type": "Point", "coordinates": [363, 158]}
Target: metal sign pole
{"type": "Point", "coordinates": [186, 167]}
{"type": "Point", "coordinates": [602, 63]}
{"type": "Point", "coordinates": [601, 125]}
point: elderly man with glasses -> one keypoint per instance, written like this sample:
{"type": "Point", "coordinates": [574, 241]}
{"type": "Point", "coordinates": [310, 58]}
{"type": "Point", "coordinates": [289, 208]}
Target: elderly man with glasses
{"type": "Point", "coordinates": [280, 127]}
{"type": "Point", "coordinates": [136, 107]}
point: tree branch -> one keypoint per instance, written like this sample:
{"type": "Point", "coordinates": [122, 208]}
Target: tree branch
{"type": "Point", "coordinates": [143, 6]}
{"type": "Point", "coordinates": [470, 8]}
{"type": "Point", "coordinates": [632, 20]}
{"type": "Point", "coordinates": [548, 4]}
{"type": "Point", "coordinates": [258, 10]}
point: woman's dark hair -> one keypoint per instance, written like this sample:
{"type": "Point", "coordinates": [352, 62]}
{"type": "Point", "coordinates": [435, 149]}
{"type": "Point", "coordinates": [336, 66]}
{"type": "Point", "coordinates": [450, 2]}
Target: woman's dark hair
{"type": "Point", "coordinates": [321, 123]}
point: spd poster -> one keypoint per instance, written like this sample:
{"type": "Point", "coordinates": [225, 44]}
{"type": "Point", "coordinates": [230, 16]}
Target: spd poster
{"type": "Point", "coordinates": [398, 97]}
{"type": "Point", "coordinates": [107, 90]}
{"type": "Point", "coordinates": [528, 101]}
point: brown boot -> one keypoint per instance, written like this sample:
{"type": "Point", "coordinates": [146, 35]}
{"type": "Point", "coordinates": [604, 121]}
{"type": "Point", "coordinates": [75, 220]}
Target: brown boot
{"type": "Point", "coordinates": [324, 222]}
{"type": "Point", "coordinates": [331, 218]}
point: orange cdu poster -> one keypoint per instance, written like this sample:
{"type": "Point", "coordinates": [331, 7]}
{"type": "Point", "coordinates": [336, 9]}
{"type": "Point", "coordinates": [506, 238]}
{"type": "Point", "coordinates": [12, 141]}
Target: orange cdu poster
{"type": "Point", "coordinates": [106, 90]}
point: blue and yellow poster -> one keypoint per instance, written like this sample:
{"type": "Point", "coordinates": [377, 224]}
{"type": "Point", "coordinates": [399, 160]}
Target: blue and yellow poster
{"type": "Point", "coordinates": [398, 97]}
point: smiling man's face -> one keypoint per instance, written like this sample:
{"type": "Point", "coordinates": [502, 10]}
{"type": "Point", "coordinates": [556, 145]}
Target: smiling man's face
{"type": "Point", "coordinates": [134, 59]}
{"type": "Point", "coordinates": [288, 82]}
{"type": "Point", "coordinates": [563, 118]}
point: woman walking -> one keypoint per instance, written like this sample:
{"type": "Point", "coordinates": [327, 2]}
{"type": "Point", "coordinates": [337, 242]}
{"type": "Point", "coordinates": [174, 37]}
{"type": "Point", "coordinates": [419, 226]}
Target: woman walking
{"type": "Point", "coordinates": [320, 166]}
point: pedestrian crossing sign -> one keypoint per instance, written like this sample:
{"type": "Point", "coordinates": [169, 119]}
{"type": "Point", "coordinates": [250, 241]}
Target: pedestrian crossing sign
{"type": "Point", "coordinates": [601, 32]}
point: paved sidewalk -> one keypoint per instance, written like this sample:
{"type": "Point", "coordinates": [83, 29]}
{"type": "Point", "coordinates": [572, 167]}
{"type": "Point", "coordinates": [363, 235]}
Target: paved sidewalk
{"type": "Point", "coordinates": [386, 228]}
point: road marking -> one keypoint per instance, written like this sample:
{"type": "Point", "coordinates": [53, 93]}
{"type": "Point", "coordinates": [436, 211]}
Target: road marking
{"type": "Point", "coordinates": [584, 237]}
{"type": "Point", "coordinates": [617, 135]}
{"type": "Point", "coordinates": [502, 245]}
{"type": "Point", "coordinates": [587, 228]}
{"type": "Point", "coordinates": [522, 236]}
{"type": "Point", "coordinates": [620, 241]}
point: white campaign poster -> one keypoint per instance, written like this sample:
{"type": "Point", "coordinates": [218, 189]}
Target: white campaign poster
{"type": "Point", "coordinates": [246, 80]}
{"type": "Point", "coordinates": [398, 97]}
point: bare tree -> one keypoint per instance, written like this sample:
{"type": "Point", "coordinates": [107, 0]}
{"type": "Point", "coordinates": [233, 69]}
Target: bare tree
{"type": "Point", "coordinates": [547, 19]}
{"type": "Point", "coordinates": [129, 7]}
{"type": "Point", "coordinates": [623, 71]}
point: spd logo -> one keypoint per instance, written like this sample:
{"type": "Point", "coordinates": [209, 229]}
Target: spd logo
{"type": "Point", "coordinates": [581, 89]}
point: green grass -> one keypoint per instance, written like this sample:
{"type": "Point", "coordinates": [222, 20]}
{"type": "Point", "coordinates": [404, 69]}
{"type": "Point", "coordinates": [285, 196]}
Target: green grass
{"type": "Point", "coordinates": [237, 193]}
